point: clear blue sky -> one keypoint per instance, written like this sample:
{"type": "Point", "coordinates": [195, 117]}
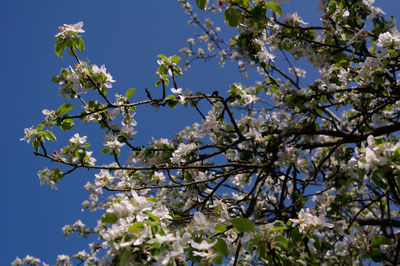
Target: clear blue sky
{"type": "Point", "coordinates": [126, 36]}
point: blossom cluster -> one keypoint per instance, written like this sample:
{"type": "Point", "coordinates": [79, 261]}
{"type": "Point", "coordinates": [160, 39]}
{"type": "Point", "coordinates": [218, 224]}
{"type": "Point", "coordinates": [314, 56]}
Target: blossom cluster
{"type": "Point", "coordinates": [282, 170]}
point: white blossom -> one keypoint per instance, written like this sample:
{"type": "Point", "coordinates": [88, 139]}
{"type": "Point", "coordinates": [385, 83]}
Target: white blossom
{"type": "Point", "coordinates": [67, 29]}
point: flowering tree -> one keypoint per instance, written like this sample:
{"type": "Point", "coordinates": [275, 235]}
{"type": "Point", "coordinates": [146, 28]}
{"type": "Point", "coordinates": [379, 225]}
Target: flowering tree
{"type": "Point", "coordinates": [288, 171]}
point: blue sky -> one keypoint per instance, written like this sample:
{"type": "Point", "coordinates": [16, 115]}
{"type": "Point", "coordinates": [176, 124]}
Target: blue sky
{"type": "Point", "coordinates": [126, 36]}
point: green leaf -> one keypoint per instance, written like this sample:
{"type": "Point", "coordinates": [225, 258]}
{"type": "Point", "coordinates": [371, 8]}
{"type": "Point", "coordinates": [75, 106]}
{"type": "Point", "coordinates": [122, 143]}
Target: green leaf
{"type": "Point", "coordinates": [221, 247]}
{"type": "Point", "coordinates": [258, 14]}
{"type": "Point", "coordinates": [137, 226]}
{"type": "Point", "coordinates": [50, 136]}
{"type": "Point", "coordinates": [152, 200]}
{"type": "Point", "coordinates": [243, 224]}
{"type": "Point", "coordinates": [106, 150]}
{"type": "Point", "coordinates": [275, 7]}
{"type": "Point", "coordinates": [162, 56]}
{"type": "Point", "coordinates": [36, 145]}
{"type": "Point", "coordinates": [317, 242]}
{"type": "Point", "coordinates": [153, 217]}
{"type": "Point", "coordinates": [244, 3]}
{"type": "Point", "coordinates": [220, 228]}
{"type": "Point", "coordinates": [175, 59]}
{"type": "Point", "coordinates": [80, 153]}
{"type": "Point", "coordinates": [80, 44]}
{"type": "Point", "coordinates": [376, 255]}
{"type": "Point", "coordinates": [67, 125]}
{"type": "Point", "coordinates": [124, 258]}
{"type": "Point", "coordinates": [232, 16]}
{"type": "Point", "coordinates": [202, 4]}
{"type": "Point", "coordinates": [109, 218]}
{"type": "Point", "coordinates": [278, 228]}
{"type": "Point", "coordinates": [380, 240]}
{"type": "Point", "coordinates": [59, 48]}
{"type": "Point", "coordinates": [66, 107]}
{"type": "Point", "coordinates": [378, 179]}
{"type": "Point", "coordinates": [301, 262]}
{"type": "Point", "coordinates": [177, 70]}
{"type": "Point", "coordinates": [129, 93]}
{"type": "Point", "coordinates": [40, 127]}
{"type": "Point", "coordinates": [282, 242]}
{"type": "Point", "coordinates": [218, 259]}
{"type": "Point", "coordinates": [295, 235]}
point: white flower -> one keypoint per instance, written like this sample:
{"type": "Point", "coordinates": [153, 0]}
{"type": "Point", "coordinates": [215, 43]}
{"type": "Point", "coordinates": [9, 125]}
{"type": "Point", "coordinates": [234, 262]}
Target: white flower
{"type": "Point", "coordinates": [297, 71]}
{"type": "Point", "coordinates": [63, 259]}
{"type": "Point", "coordinates": [176, 91]}
{"type": "Point", "coordinates": [199, 218]}
{"type": "Point", "coordinates": [76, 139]}
{"type": "Point", "coordinates": [51, 117]}
{"type": "Point", "coordinates": [201, 223]}
{"type": "Point", "coordinates": [128, 125]}
{"type": "Point", "coordinates": [29, 133]}
{"type": "Point", "coordinates": [17, 262]}
{"type": "Point", "coordinates": [265, 56]}
{"type": "Point", "coordinates": [293, 19]}
{"type": "Point", "coordinates": [200, 52]}
{"type": "Point", "coordinates": [368, 67]}
{"type": "Point", "coordinates": [66, 31]}
{"type": "Point", "coordinates": [49, 177]}
{"type": "Point", "coordinates": [183, 150]}
{"type": "Point", "coordinates": [386, 39]}
{"type": "Point", "coordinates": [190, 41]}
{"type": "Point", "coordinates": [111, 142]}
{"type": "Point", "coordinates": [102, 70]}
{"type": "Point", "coordinates": [159, 176]}
{"type": "Point", "coordinates": [31, 260]}
{"type": "Point", "coordinates": [123, 208]}
{"type": "Point", "coordinates": [307, 220]}
{"type": "Point", "coordinates": [166, 238]}
{"type": "Point", "coordinates": [83, 255]}
{"type": "Point", "coordinates": [203, 245]}
{"type": "Point", "coordinates": [103, 177]}
{"type": "Point", "coordinates": [161, 212]}
{"type": "Point", "coordinates": [79, 224]}
{"type": "Point", "coordinates": [375, 10]}
{"type": "Point", "coordinates": [201, 254]}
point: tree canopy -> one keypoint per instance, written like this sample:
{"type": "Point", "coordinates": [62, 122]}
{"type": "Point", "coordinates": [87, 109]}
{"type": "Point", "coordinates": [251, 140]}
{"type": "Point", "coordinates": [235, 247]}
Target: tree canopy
{"type": "Point", "coordinates": [291, 170]}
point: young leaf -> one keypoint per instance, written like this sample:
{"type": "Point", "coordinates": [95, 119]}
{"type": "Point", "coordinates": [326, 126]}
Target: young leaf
{"type": "Point", "coordinates": [218, 259]}
{"type": "Point", "coordinates": [80, 44]}
{"type": "Point", "coordinates": [124, 258]}
{"type": "Point", "coordinates": [202, 4]}
{"type": "Point", "coordinates": [232, 16]}
{"type": "Point", "coordinates": [221, 247]}
{"type": "Point", "coordinates": [243, 224]}
{"type": "Point", "coordinates": [162, 56]}
{"type": "Point", "coordinates": [109, 218]}
{"type": "Point", "coordinates": [175, 59]}
{"type": "Point", "coordinates": [380, 240]}
{"type": "Point", "coordinates": [50, 136]}
{"type": "Point", "coordinates": [59, 48]}
{"type": "Point", "coordinates": [36, 145]}
{"type": "Point", "coordinates": [67, 125]}
{"type": "Point", "coordinates": [275, 7]}
{"type": "Point", "coordinates": [220, 228]}
{"type": "Point", "coordinates": [137, 226]}
{"type": "Point", "coordinates": [129, 93]}
{"type": "Point", "coordinates": [65, 108]}
{"type": "Point", "coordinates": [282, 242]}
